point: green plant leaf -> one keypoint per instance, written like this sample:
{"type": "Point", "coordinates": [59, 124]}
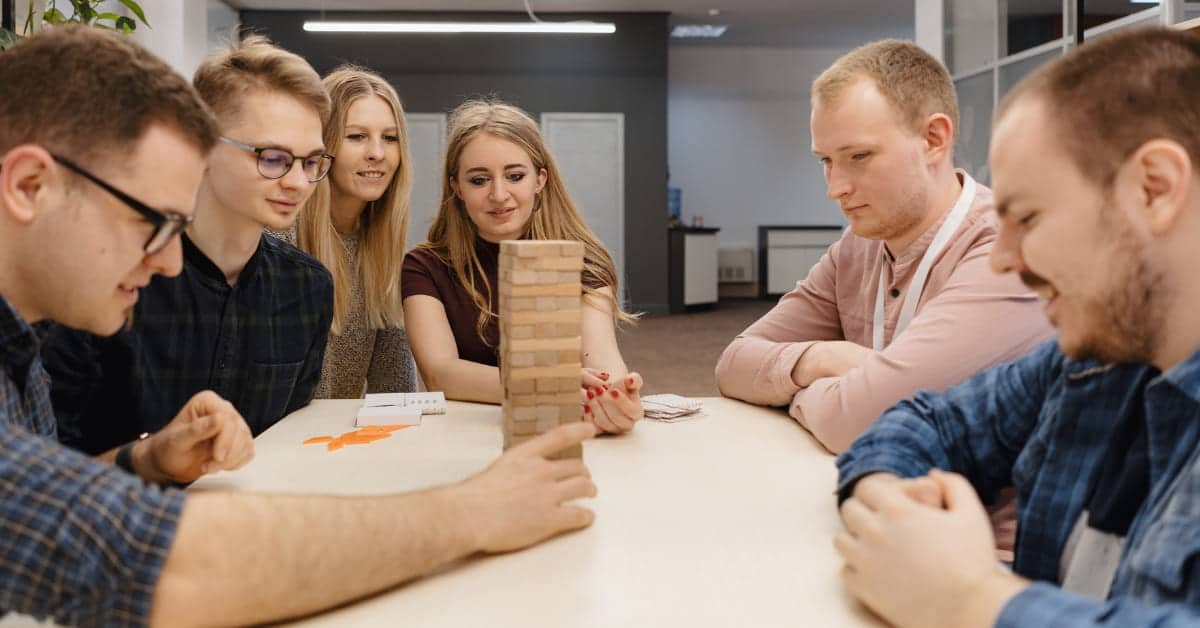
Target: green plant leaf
{"type": "Point", "coordinates": [54, 16]}
{"type": "Point", "coordinates": [112, 17]}
{"type": "Point", "coordinates": [137, 10]}
{"type": "Point", "coordinates": [84, 10]}
{"type": "Point", "coordinates": [125, 25]}
{"type": "Point", "coordinates": [8, 39]}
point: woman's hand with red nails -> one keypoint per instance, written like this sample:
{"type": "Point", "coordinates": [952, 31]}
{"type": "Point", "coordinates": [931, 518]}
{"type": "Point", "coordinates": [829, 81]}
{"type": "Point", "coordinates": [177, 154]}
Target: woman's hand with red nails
{"type": "Point", "coordinates": [613, 405]}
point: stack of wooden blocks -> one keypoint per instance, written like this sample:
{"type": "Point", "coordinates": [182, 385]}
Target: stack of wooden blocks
{"type": "Point", "coordinates": [540, 343]}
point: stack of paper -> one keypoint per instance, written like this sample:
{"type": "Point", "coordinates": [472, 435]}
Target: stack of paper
{"type": "Point", "coordinates": [671, 408]}
{"type": "Point", "coordinates": [399, 408]}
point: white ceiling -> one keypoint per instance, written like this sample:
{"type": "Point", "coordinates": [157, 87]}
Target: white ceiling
{"type": "Point", "coordinates": [751, 22]}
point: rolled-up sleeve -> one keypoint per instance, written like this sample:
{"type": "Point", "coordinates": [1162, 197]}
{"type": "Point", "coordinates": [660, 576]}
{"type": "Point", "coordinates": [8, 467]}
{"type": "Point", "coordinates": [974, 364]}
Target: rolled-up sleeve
{"type": "Point", "coordinates": [81, 541]}
{"type": "Point", "coordinates": [1042, 604]}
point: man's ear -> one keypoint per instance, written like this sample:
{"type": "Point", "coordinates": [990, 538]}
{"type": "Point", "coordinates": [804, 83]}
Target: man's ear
{"type": "Point", "coordinates": [26, 174]}
{"type": "Point", "coordinates": [938, 135]}
{"type": "Point", "coordinates": [1157, 178]}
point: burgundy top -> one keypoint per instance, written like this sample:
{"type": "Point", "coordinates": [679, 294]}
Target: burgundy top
{"type": "Point", "coordinates": [424, 273]}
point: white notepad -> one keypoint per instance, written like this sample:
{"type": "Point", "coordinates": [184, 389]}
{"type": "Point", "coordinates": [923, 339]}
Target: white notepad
{"type": "Point", "coordinates": [399, 408]}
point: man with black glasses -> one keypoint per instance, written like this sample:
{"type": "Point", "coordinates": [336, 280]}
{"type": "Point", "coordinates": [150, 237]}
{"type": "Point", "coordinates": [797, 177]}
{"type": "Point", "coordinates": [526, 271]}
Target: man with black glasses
{"type": "Point", "coordinates": [99, 171]}
{"type": "Point", "coordinates": [249, 315]}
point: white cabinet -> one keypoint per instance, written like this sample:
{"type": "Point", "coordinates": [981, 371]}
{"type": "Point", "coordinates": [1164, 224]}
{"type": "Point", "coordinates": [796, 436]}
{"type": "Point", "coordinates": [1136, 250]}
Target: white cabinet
{"type": "Point", "coordinates": [692, 267]}
{"type": "Point", "coordinates": [699, 268]}
{"type": "Point", "coordinates": [786, 253]}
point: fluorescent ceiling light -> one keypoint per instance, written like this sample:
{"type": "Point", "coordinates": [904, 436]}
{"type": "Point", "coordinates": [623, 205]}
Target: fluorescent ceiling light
{"type": "Point", "coordinates": [698, 30]}
{"type": "Point", "coordinates": [1144, 1]}
{"type": "Point", "coordinates": [586, 28]}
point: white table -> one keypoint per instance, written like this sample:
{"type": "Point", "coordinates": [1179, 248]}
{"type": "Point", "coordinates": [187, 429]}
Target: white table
{"type": "Point", "coordinates": [719, 521]}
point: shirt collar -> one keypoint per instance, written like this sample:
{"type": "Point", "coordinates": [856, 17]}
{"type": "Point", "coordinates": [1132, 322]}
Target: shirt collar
{"type": "Point", "coordinates": [209, 270]}
{"type": "Point", "coordinates": [1186, 376]}
{"type": "Point", "coordinates": [18, 342]}
{"type": "Point", "coordinates": [916, 250]}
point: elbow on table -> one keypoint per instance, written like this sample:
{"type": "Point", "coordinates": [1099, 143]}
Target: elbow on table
{"type": "Point", "coordinates": [834, 433]}
{"type": "Point", "coordinates": [726, 373]}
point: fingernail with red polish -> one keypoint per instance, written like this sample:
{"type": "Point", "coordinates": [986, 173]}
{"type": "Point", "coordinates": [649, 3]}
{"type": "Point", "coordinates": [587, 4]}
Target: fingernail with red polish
{"type": "Point", "coordinates": [628, 381]}
{"type": "Point", "coordinates": [591, 395]}
{"type": "Point", "coordinates": [615, 393]}
{"type": "Point", "coordinates": [587, 408]}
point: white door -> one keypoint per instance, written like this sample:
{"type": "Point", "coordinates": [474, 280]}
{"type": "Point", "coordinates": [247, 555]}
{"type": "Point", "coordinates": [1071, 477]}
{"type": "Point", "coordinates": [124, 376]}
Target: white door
{"type": "Point", "coordinates": [426, 145]}
{"type": "Point", "coordinates": [590, 150]}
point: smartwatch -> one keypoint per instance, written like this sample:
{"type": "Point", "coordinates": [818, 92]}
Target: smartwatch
{"type": "Point", "coordinates": [125, 454]}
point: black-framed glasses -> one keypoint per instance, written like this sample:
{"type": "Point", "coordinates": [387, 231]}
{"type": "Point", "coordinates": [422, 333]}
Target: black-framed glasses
{"type": "Point", "coordinates": [166, 225]}
{"type": "Point", "coordinates": [275, 163]}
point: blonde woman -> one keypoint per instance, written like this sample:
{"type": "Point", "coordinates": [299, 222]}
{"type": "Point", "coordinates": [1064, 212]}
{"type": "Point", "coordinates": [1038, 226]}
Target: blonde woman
{"type": "Point", "coordinates": [356, 224]}
{"type": "Point", "coordinates": [501, 183]}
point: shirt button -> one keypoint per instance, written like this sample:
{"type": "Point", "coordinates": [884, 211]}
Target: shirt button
{"type": "Point", "coordinates": [895, 292]}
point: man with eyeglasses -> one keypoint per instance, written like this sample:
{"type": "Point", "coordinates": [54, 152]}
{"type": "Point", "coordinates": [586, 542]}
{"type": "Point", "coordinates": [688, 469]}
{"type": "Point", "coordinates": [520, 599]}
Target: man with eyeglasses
{"type": "Point", "coordinates": [92, 198]}
{"type": "Point", "coordinates": [249, 315]}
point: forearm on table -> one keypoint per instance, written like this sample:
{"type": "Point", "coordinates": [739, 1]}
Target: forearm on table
{"type": "Point", "coordinates": [758, 370]}
{"type": "Point", "coordinates": [464, 380]}
{"type": "Point", "coordinates": [244, 558]}
{"type": "Point", "coordinates": [837, 410]}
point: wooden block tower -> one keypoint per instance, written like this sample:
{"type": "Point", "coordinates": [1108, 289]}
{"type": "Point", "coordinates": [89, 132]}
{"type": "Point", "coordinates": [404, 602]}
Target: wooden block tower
{"type": "Point", "coordinates": [540, 344]}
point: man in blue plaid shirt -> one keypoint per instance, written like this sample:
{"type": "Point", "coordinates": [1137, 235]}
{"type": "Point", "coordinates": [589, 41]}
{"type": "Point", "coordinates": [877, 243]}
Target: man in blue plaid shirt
{"type": "Point", "coordinates": [1096, 168]}
{"type": "Point", "coordinates": [99, 171]}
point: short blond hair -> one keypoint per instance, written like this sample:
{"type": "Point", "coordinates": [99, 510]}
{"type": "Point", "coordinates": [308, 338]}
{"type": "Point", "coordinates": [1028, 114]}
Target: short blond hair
{"type": "Point", "coordinates": [915, 83]}
{"type": "Point", "coordinates": [225, 77]}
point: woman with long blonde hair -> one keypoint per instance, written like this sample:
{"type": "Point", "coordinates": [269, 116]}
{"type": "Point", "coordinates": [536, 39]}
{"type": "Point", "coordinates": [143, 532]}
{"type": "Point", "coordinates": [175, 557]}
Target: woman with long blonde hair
{"type": "Point", "coordinates": [356, 224]}
{"type": "Point", "coordinates": [500, 182]}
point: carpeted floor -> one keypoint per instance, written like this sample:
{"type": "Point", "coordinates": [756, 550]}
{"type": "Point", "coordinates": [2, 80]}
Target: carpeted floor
{"type": "Point", "coordinates": [677, 353]}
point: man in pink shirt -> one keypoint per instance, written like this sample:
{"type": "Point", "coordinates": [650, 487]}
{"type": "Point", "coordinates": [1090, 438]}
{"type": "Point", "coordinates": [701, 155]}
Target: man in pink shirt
{"type": "Point", "coordinates": [905, 299]}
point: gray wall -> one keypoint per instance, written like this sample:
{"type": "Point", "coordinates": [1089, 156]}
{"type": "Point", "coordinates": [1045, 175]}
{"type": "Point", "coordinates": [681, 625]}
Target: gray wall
{"type": "Point", "coordinates": [624, 72]}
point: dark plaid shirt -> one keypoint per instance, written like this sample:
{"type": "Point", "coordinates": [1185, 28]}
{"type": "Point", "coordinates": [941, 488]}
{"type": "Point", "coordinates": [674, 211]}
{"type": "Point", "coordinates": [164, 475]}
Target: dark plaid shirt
{"type": "Point", "coordinates": [258, 344]}
{"type": "Point", "coordinates": [80, 540]}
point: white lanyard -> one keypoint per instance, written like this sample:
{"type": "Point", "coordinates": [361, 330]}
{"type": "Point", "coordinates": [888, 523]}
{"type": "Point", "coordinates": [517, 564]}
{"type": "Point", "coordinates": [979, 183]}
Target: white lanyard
{"type": "Point", "coordinates": [949, 226]}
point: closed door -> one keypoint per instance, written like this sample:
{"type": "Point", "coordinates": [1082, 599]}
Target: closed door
{"type": "Point", "coordinates": [590, 150]}
{"type": "Point", "coordinates": [426, 145]}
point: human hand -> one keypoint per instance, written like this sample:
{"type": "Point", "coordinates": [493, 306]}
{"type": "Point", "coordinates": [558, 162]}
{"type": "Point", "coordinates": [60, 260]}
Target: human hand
{"type": "Point", "coordinates": [922, 490]}
{"type": "Point", "coordinates": [523, 498]}
{"type": "Point", "coordinates": [612, 407]}
{"type": "Point", "coordinates": [919, 565]}
{"type": "Point", "coordinates": [207, 436]}
{"type": "Point", "coordinates": [833, 358]}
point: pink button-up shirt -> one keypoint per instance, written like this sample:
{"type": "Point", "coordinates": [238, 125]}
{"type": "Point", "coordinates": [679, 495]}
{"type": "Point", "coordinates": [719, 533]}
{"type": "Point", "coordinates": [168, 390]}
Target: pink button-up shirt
{"type": "Point", "coordinates": [968, 319]}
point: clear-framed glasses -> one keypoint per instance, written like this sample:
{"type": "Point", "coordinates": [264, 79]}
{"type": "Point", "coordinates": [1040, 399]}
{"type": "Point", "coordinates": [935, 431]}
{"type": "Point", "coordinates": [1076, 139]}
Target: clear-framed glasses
{"type": "Point", "coordinates": [166, 225]}
{"type": "Point", "coordinates": [275, 163]}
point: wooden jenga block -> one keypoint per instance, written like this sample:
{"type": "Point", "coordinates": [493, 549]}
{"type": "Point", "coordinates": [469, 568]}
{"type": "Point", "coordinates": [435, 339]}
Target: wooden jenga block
{"type": "Point", "coordinates": [536, 248]}
{"type": "Point", "coordinates": [540, 345]}
{"type": "Point", "coordinates": [554, 290]}
{"type": "Point", "coordinates": [522, 387]}
{"type": "Point", "coordinates": [522, 358]}
{"type": "Point", "coordinates": [541, 263]}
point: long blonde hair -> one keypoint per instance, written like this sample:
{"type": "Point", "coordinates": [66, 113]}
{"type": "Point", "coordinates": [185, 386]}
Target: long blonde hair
{"type": "Point", "coordinates": [555, 217]}
{"type": "Point", "coordinates": [383, 223]}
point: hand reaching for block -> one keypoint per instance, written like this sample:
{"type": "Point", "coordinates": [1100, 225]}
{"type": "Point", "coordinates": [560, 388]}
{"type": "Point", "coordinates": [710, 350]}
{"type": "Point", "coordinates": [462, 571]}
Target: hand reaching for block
{"type": "Point", "coordinates": [612, 406]}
